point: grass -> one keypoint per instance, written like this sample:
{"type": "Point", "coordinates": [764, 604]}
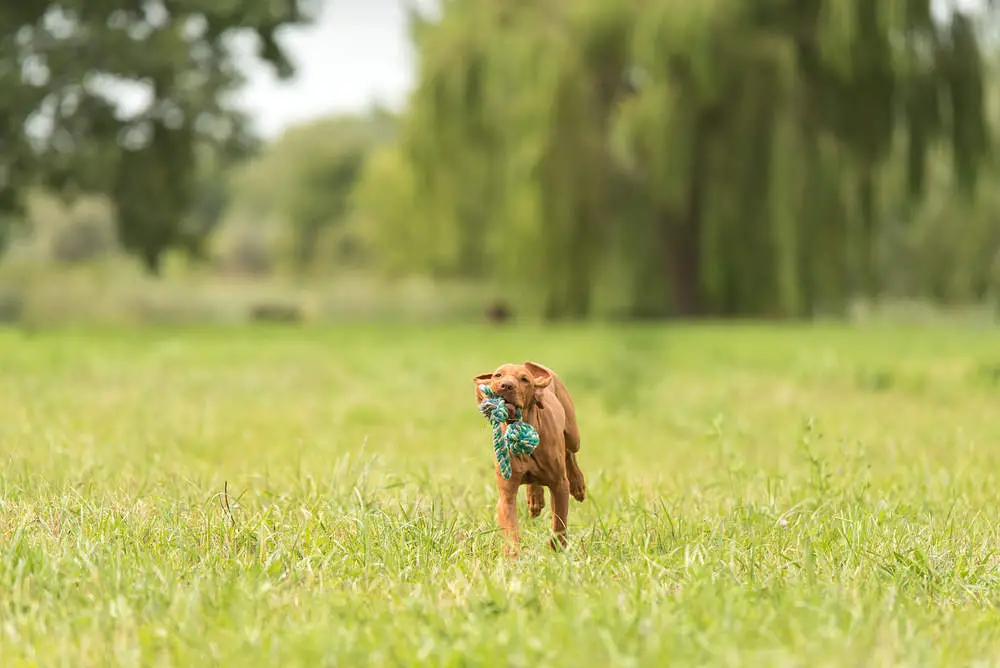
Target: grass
{"type": "Point", "coordinates": [324, 497]}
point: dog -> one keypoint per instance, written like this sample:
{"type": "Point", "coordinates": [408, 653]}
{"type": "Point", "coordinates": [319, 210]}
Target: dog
{"type": "Point", "coordinates": [546, 405]}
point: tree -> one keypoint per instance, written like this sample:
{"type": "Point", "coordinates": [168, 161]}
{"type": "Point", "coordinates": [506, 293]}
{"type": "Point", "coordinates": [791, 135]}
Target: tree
{"type": "Point", "coordinates": [743, 173]}
{"type": "Point", "coordinates": [307, 178]}
{"type": "Point", "coordinates": [63, 68]}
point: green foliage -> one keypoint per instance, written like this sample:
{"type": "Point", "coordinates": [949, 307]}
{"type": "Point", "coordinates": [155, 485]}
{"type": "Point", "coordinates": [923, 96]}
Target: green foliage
{"type": "Point", "coordinates": [383, 203]}
{"type": "Point", "coordinates": [725, 158]}
{"type": "Point", "coordinates": [245, 247]}
{"type": "Point", "coordinates": [583, 158]}
{"type": "Point", "coordinates": [307, 180]}
{"type": "Point", "coordinates": [61, 66]}
{"type": "Point", "coordinates": [87, 234]}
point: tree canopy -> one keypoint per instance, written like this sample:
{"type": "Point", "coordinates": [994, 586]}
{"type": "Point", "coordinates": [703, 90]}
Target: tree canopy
{"type": "Point", "coordinates": [705, 157]}
{"type": "Point", "coordinates": [65, 66]}
{"type": "Point", "coordinates": [642, 158]}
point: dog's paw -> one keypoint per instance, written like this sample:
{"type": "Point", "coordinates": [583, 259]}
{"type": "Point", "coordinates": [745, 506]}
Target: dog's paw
{"type": "Point", "coordinates": [536, 501]}
{"type": "Point", "coordinates": [577, 487]}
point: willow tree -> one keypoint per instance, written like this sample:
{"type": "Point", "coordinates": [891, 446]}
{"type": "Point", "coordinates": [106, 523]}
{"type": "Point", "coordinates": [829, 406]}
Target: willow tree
{"type": "Point", "coordinates": [509, 132]}
{"type": "Point", "coordinates": [452, 136]}
{"type": "Point", "coordinates": [783, 116]}
{"type": "Point", "coordinates": [576, 172]}
{"type": "Point", "coordinates": [745, 174]}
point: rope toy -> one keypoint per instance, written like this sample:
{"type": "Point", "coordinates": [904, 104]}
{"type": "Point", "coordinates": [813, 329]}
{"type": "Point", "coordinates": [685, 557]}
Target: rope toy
{"type": "Point", "coordinates": [520, 438]}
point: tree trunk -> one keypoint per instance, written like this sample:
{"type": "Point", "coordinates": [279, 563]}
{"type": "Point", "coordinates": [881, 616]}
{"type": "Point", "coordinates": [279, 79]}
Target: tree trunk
{"type": "Point", "coordinates": [807, 248]}
{"type": "Point", "coordinates": [866, 247]}
{"type": "Point", "coordinates": [152, 260]}
{"type": "Point", "coordinates": [683, 264]}
{"type": "Point", "coordinates": [683, 242]}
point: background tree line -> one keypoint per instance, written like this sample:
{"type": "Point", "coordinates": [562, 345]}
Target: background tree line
{"type": "Point", "coordinates": [642, 158]}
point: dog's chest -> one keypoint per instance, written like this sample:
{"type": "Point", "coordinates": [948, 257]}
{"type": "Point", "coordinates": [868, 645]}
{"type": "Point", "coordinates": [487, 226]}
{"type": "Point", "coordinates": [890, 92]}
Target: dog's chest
{"type": "Point", "coordinates": [547, 463]}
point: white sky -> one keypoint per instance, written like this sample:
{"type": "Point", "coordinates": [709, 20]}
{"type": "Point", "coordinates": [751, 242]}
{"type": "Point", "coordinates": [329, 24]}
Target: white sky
{"type": "Point", "coordinates": [357, 53]}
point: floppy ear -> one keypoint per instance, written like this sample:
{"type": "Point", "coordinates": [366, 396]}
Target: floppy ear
{"type": "Point", "coordinates": [542, 375]}
{"type": "Point", "coordinates": [478, 380]}
{"type": "Point", "coordinates": [541, 378]}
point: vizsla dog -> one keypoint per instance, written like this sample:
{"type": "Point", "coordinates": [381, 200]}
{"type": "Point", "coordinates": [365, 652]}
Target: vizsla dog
{"type": "Point", "coordinates": [546, 405]}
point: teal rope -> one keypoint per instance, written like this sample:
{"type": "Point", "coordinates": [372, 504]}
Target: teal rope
{"type": "Point", "coordinates": [520, 438]}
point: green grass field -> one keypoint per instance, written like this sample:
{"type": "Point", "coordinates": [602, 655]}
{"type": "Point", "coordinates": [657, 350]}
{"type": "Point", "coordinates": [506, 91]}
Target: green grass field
{"type": "Point", "coordinates": [779, 496]}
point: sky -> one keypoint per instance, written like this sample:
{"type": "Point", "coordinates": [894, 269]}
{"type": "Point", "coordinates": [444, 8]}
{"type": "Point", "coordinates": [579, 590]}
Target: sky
{"type": "Point", "coordinates": [357, 53]}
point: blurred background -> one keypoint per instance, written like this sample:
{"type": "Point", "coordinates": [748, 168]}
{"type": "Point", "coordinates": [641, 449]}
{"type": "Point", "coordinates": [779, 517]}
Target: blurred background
{"type": "Point", "coordinates": [185, 161]}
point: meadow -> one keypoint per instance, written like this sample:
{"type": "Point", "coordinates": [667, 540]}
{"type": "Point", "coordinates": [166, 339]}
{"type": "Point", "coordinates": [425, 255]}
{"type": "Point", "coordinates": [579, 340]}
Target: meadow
{"type": "Point", "coordinates": [324, 496]}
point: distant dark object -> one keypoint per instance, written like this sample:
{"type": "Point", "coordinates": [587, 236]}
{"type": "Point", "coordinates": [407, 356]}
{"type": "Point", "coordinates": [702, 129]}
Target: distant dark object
{"type": "Point", "coordinates": [498, 313]}
{"type": "Point", "coordinates": [276, 312]}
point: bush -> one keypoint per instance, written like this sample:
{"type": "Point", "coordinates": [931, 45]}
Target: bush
{"type": "Point", "coordinates": [88, 234]}
{"type": "Point", "coordinates": [249, 256]}
{"type": "Point", "coordinates": [245, 248]}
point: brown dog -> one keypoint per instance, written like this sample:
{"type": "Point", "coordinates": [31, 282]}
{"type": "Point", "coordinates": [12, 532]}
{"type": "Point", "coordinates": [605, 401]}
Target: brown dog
{"type": "Point", "coordinates": [546, 405]}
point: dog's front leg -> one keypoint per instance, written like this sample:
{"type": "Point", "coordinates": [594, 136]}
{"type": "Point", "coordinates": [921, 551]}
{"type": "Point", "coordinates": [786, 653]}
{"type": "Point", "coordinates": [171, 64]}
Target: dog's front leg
{"type": "Point", "coordinates": [507, 514]}
{"type": "Point", "coordinates": [536, 499]}
{"type": "Point", "coordinates": [560, 514]}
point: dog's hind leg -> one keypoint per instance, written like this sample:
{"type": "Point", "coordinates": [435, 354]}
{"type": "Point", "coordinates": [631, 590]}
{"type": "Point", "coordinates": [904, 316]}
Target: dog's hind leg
{"type": "Point", "coordinates": [577, 484]}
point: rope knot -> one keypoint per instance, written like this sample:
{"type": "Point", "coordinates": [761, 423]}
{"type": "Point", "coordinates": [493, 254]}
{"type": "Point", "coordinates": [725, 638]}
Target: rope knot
{"type": "Point", "coordinates": [520, 438]}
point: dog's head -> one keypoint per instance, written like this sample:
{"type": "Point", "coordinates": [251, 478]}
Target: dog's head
{"type": "Point", "coordinates": [519, 384]}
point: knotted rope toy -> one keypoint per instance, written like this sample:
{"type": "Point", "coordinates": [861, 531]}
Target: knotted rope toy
{"type": "Point", "coordinates": [520, 438]}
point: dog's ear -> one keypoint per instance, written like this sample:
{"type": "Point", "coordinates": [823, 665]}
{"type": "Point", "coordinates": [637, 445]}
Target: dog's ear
{"type": "Point", "coordinates": [479, 380]}
{"type": "Point", "coordinates": [541, 378]}
{"type": "Point", "coordinates": [541, 375]}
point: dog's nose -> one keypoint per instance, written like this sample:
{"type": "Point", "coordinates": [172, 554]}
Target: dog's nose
{"type": "Point", "coordinates": [506, 386]}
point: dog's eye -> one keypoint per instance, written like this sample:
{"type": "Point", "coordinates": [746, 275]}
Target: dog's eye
{"type": "Point", "coordinates": [524, 378]}
{"type": "Point", "coordinates": [496, 375]}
